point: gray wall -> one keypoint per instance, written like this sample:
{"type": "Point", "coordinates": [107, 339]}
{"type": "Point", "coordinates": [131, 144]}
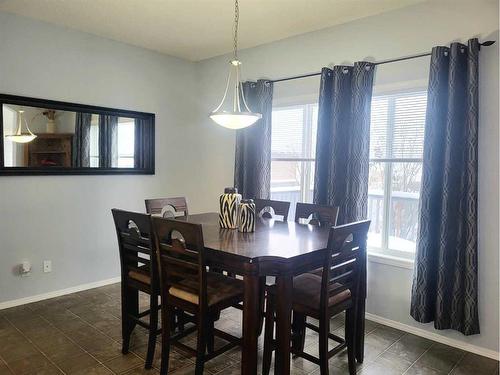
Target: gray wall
{"type": "Point", "coordinates": [399, 33]}
{"type": "Point", "coordinates": [67, 219]}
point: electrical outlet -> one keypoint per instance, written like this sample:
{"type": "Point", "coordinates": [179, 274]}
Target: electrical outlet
{"type": "Point", "coordinates": [47, 266]}
{"type": "Point", "coordinates": [25, 268]}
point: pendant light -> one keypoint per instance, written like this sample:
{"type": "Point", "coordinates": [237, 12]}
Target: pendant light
{"type": "Point", "coordinates": [21, 137]}
{"type": "Point", "coordinates": [239, 115]}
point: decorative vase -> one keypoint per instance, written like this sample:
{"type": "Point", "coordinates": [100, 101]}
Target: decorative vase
{"type": "Point", "coordinates": [246, 216]}
{"type": "Point", "coordinates": [51, 126]}
{"type": "Point", "coordinates": [228, 214]}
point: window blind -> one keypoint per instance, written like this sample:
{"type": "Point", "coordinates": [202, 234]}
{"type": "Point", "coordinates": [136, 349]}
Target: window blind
{"type": "Point", "coordinates": [288, 133]}
{"type": "Point", "coordinates": [397, 126]}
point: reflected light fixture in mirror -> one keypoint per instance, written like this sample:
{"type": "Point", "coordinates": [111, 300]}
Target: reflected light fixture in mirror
{"type": "Point", "coordinates": [235, 118]}
{"type": "Point", "coordinates": [21, 137]}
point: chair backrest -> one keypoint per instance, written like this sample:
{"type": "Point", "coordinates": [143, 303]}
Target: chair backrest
{"type": "Point", "coordinates": [345, 260]}
{"type": "Point", "coordinates": [268, 208]}
{"type": "Point", "coordinates": [316, 214]}
{"type": "Point", "coordinates": [137, 250]}
{"type": "Point", "coordinates": [180, 252]}
{"type": "Point", "coordinates": [167, 207]}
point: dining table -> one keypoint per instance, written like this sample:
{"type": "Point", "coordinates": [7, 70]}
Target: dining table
{"type": "Point", "coordinates": [282, 249]}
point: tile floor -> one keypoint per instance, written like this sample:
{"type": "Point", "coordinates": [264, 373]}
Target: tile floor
{"type": "Point", "coordinates": [80, 334]}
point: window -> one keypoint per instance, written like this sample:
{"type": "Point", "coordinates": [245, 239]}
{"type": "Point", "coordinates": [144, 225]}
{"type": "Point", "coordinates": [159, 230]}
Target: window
{"type": "Point", "coordinates": [94, 142]}
{"type": "Point", "coordinates": [126, 138]}
{"type": "Point", "coordinates": [396, 150]}
{"type": "Point", "coordinates": [293, 151]}
{"type": "Point", "coordinates": [124, 142]}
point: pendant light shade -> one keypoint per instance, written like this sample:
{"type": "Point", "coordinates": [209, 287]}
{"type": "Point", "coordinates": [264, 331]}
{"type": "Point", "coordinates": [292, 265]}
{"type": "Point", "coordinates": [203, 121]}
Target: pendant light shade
{"type": "Point", "coordinates": [233, 111]}
{"type": "Point", "coordinates": [21, 137]}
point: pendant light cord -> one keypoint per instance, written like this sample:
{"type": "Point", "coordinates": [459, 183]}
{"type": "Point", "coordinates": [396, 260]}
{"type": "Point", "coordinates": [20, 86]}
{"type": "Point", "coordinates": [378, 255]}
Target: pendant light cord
{"type": "Point", "coordinates": [236, 21]}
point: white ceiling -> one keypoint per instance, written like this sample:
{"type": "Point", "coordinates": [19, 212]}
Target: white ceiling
{"type": "Point", "coordinates": [198, 29]}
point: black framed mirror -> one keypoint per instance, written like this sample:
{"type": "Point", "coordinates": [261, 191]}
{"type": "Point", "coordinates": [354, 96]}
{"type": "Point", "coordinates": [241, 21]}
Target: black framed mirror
{"type": "Point", "coordinates": [47, 137]}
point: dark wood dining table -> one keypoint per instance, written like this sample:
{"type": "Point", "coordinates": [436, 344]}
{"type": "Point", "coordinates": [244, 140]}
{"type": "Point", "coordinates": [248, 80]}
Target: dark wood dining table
{"type": "Point", "coordinates": [276, 248]}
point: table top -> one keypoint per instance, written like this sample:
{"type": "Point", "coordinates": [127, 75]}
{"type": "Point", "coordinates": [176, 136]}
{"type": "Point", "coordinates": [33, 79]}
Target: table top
{"type": "Point", "coordinates": [271, 239]}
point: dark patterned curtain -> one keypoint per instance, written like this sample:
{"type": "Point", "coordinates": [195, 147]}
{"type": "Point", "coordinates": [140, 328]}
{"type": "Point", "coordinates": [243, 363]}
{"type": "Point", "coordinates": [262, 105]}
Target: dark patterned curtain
{"type": "Point", "coordinates": [108, 141]}
{"type": "Point", "coordinates": [445, 279]}
{"type": "Point", "coordinates": [252, 171]}
{"type": "Point", "coordinates": [343, 140]}
{"type": "Point", "coordinates": [143, 142]}
{"type": "Point", "coordinates": [81, 140]}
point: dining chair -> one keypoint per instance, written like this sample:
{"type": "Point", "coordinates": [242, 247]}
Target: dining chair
{"type": "Point", "coordinates": [269, 209]}
{"type": "Point", "coordinates": [316, 214]}
{"type": "Point", "coordinates": [322, 297]}
{"type": "Point", "coordinates": [167, 207]}
{"type": "Point", "coordinates": [186, 284]}
{"type": "Point", "coordinates": [139, 272]}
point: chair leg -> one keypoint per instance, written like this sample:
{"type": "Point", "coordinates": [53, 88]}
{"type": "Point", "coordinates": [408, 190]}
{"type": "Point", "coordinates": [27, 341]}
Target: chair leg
{"type": "Point", "coordinates": [130, 306]}
{"type": "Point", "coordinates": [166, 314]}
{"type": "Point", "coordinates": [201, 345]}
{"type": "Point", "coordinates": [350, 334]}
{"type": "Point", "coordinates": [324, 329]}
{"type": "Point", "coordinates": [262, 301]}
{"type": "Point", "coordinates": [210, 336]}
{"type": "Point", "coordinates": [174, 319]}
{"type": "Point", "coordinates": [153, 327]}
{"type": "Point", "coordinates": [268, 336]}
{"type": "Point", "coordinates": [298, 332]}
{"type": "Point", "coordinates": [181, 321]}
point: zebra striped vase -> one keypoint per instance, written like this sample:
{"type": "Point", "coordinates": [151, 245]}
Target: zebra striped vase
{"type": "Point", "coordinates": [228, 214]}
{"type": "Point", "coordinates": [246, 216]}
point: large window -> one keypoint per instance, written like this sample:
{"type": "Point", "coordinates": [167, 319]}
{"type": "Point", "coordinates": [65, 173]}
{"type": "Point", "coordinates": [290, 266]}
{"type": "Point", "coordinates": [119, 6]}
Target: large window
{"type": "Point", "coordinates": [396, 147]}
{"type": "Point", "coordinates": [293, 153]}
{"type": "Point", "coordinates": [396, 150]}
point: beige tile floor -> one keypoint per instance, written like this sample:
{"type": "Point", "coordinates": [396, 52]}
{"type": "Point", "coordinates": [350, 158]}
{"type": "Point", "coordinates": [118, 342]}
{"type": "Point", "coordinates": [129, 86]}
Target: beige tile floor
{"type": "Point", "coordinates": [81, 334]}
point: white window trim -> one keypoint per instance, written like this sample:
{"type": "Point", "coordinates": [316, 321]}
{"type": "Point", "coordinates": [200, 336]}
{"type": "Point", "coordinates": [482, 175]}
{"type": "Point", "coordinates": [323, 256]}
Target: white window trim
{"type": "Point", "coordinates": [375, 256]}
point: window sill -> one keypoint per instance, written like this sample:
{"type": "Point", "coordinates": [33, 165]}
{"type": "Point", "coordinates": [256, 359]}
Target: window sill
{"type": "Point", "coordinates": [390, 260]}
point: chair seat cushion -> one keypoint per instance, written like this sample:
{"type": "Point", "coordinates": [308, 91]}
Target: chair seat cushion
{"type": "Point", "coordinates": [142, 275]}
{"type": "Point", "coordinates": [307, 290]}
{"type": "Point", "coordinates": [219, 288]}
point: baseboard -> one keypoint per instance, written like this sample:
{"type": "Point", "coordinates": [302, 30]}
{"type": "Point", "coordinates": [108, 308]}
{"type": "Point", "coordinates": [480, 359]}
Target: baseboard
{"type": "Point", "coordinates": [58, 293]}
{"type": "Point", "coordinates": [434, 336]}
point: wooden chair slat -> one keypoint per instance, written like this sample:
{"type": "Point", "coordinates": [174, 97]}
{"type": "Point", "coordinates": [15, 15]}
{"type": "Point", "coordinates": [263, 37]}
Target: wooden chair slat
{"type": "Point", "coordinates": [157, 205]}
{"type": "Point", "coordinates": [280, 208]}
{"type": "Point", "coordinates": [324, 215]}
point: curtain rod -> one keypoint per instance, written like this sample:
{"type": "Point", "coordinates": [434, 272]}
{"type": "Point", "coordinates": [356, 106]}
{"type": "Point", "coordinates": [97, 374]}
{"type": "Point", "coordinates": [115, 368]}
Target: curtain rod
{"type": "Point", "coordinates": [487, 43]}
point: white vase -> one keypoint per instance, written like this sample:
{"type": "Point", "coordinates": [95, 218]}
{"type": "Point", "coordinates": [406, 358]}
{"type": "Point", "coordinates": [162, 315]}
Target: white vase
{"type": "Point", "coordinates": [51, 126]}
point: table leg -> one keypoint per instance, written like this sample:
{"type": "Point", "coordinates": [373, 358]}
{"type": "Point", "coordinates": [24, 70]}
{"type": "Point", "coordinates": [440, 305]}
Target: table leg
{"type": "Point", "coordinates": [251, 312]}
{"type": "Point", "coordinates": [284, 285]}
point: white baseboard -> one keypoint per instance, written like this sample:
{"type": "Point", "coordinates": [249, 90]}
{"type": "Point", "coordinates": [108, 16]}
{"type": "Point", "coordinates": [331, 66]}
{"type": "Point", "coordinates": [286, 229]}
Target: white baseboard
{"type": "Point", "coordinates": [434, 336]}
{"type": "Point", "coordinates": [58, 293]}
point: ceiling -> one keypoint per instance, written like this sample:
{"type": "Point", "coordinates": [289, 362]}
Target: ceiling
{"type": "Point", "coordinates": [197, 29]}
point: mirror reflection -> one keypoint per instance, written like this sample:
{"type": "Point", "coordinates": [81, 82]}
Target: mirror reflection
{"type": "Point", "coordinates": [38, 137]}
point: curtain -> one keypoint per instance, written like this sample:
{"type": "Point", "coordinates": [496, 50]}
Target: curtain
{"type": "Point", "coordinates": [252, 171]}
{"type": "Point", "coordinates": [343, 140]}
{"type": "Point", "coordinates": [81, 140]}
{"type": "Point", "coordinates": [445, 279]}
{"type": "Point", "coordinates": [108, 141]}
{"type": "Point", "coordinates": [142, 143]}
